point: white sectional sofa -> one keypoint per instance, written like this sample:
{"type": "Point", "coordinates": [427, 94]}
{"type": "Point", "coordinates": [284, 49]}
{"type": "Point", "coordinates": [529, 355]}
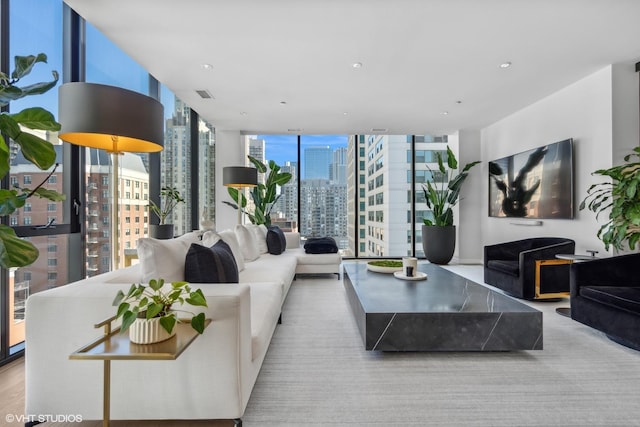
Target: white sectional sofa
{"type": "Point", "coordinates": [212, 379]}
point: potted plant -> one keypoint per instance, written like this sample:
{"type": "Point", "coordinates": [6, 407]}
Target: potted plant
{"type": "Point", "coordinates": [169, 198]}
{"type": "Point", "coordinates": [14, 251]}
{"type": "Point", "coordinates": [148, 312]}
{"type": "Point", "coordinates": [264, 196]}
{"type": "Point", "coordinates": [620, 199]}
{"type": "Point", "coordinates": [439, 233]}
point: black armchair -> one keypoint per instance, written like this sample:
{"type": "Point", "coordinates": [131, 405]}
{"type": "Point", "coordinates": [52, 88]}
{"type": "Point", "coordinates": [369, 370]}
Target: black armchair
{"type": "Point", "coordinates": [528, 268]}
{"type": "Point", "coordinates": [605, 294]}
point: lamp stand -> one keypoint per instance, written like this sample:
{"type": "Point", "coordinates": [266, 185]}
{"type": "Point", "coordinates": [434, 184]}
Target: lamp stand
{"type": "Point", "coordinates": [239, 208]}
{"type": "Point", "coordinates": [115, 239]}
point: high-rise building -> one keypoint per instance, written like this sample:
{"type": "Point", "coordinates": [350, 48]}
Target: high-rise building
{"type": "Point", "coordinates": [384, 191]}
{"type": "Point", "coordinates": [316, 162]}
{"type": "Point", "coordinates": [338, 167]}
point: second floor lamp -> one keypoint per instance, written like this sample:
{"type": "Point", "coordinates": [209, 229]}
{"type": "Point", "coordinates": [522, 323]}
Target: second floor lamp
{"type": "Point", "coordinates": [239, 177]}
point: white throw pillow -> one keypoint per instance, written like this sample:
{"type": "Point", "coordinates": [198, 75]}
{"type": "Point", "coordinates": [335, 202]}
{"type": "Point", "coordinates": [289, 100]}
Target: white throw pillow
{"type": "Point", "coordinates": [210, 238]}
{"type": "Point", "coordinates": [229, 237]}
{"type": "Point", "coordinates": [247, 242]}
{"type": "Point", "coordinates": [260, 236]}
{"type": "Point", "coordinates": [164, 259]}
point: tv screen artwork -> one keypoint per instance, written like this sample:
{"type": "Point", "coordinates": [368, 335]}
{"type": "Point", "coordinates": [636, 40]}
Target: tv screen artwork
{"type": "Point", "coordinates": [534, 184]}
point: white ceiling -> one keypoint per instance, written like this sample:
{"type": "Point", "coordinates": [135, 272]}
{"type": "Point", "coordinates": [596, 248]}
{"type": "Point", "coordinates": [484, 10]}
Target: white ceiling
{"type": "Point", "coordinates": [419, 58]}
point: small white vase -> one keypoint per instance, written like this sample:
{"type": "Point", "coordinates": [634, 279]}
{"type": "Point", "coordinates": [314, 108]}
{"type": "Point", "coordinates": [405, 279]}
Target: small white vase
{"type": "Point", "coordinates": [148, 331]}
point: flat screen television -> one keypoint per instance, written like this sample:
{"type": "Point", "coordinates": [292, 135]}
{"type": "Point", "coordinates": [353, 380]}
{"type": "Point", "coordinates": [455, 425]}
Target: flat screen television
{"type": "Point", "coordinates": [536, 183]}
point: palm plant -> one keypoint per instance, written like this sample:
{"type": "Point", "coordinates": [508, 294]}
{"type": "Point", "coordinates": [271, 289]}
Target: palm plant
{"type": "Point", "coordinates": [441, 198]}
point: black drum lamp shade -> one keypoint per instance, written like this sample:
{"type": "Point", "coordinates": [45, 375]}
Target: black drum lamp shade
{"type": "Point", "coordinates": [110, 118]}
{"type": "Point", "coordinates": [239, 176]}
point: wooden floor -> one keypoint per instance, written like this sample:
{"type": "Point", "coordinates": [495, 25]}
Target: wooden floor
{"type": "Point", "coordinates": [12, 406]}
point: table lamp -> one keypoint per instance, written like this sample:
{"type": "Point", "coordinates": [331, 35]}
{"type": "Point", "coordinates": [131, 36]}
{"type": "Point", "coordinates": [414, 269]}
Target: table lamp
{"type": "Point", "coordinates": [112, 119]}
{"type": "Point", "coordinates": [239, 177]}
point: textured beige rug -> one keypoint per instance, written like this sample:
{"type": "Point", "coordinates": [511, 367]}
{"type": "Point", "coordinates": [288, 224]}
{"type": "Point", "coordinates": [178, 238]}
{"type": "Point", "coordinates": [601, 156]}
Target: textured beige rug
{"type": "Point", "coordinates": [318, 374]}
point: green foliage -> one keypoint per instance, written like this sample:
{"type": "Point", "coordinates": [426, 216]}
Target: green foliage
{"type": "Point", "coordinates": [152, 301]}
{"type": "Point", "coordinates": [14, 251]}
{"type": "Point", "coordinates": [441, 198]}
{"type": "Point", "coordinates": [620, 199]}
{"type": "Point", "coordinates": [264, 196]}
{"type": "Point", "coordinates": [170, 198]}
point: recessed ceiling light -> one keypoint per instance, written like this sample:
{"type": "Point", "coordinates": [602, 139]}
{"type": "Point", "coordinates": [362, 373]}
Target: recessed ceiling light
{"type": "Point", "coordinates": [345, 113]}
{"type": "Point", "coordinates": [357, 65]}
{"type": "Point", "coordinates": [207, 66]}
{"type": "Point", "coordinates": [505, 64]}
{"type": "Point", "coordinates": [243, 113]}
{"type": "Point", "coordinates": [444, 113]}
{"type": "Point", "coordinates": [283, 102]}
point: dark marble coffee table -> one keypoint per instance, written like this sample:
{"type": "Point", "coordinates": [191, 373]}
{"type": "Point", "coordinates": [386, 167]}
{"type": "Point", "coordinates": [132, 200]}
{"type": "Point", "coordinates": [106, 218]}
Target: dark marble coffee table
{"type": "Point", "coordinates": [446, 312]}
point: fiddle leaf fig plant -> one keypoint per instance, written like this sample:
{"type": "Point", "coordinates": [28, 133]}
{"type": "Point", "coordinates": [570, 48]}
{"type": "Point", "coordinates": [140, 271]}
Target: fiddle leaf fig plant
{"type": "Point", "coordinates": [151, 301]}
{"type": "Point", "coordinates": [264, 196]}
{"type": "Point", "coordinates": [441, 198]}
{"type": "Point", "coordinates": [620, 200]}
{"type": "Point", "coordinates": [14, 251]}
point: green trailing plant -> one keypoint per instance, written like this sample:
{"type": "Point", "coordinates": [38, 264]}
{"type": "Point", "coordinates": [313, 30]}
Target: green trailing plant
{"type": "Point", "coordinates": [170, 197]}
{"type": "Point", "coordinates": [620, 199]}
{"type": "Point", "coordinates": [264, 196]}
{"type": "Point", "coordinates": [152, 301]}
{"type": "Point", "coordinates": [14, 251]}
{"type": "Point", "coordinates": [441, 198]}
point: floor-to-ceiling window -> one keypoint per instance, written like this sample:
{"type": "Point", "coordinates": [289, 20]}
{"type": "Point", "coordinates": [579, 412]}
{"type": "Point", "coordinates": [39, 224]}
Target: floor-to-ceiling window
{"type": "Point", "coordinates": [323, 187]}
{"type": "Point", "coordinates": [35, 27]}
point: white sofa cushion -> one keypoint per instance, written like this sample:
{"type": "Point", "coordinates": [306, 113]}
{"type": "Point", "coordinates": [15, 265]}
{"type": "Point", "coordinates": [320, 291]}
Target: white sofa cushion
{"type": "Point", "coordinates": [260, 235]}
{"type": "Point", "coordinates": [247, 241]}
{"type": "Point", "coordinates": [229, 237]}
{"type": "Point", "coordinates": [164, 258]}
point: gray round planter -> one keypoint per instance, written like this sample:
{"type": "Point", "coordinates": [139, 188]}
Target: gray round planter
{"type": "Point", "coordinates": [163, 231]}
{"type": "Point", "coordinates": [438, 243]}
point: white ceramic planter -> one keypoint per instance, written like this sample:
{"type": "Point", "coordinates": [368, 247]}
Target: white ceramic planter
{"type": "Point", "coordinates": [148, 331]}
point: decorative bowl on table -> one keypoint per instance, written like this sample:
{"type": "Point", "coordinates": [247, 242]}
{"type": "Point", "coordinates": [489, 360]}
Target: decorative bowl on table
{"type": "Point", "coordinates": [385, 266]}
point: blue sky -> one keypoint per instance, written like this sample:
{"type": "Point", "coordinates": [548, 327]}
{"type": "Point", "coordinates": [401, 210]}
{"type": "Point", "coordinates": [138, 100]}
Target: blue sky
{"type": "Point", "coordinates": [282, 148]}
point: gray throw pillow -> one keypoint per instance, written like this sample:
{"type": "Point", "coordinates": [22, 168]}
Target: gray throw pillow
{"type": "Point", "coordinates": [210, 265]}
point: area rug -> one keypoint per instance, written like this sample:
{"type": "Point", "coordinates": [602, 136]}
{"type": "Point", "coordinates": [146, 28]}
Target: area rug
{"type": "Point", "coordinates": [317, 373]}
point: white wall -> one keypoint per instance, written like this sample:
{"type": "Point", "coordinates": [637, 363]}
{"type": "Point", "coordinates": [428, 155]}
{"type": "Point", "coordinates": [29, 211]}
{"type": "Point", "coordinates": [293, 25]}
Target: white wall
{"type": "Point", "coordinates": [472, 207]}
{"type": "Point", "coordinates": [583, 111]}
{"type": "Point", "coordinates": [230, 151]}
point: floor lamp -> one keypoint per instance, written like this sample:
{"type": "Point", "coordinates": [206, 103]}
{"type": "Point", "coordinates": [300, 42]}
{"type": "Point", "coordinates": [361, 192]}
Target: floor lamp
{"type": "Point", "coordinates": [239, 177]}
{"type": "Point", "coordinates": [112, 119]}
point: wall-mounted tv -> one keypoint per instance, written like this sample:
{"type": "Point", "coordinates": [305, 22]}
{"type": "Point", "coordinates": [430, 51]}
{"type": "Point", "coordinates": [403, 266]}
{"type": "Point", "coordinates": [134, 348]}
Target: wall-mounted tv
{"type": "Point", "coordinates": [533, 184]}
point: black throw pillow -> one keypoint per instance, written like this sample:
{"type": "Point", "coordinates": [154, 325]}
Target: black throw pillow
{"type": "Point", "coordinates": [321, 245]}
{"type": "Point", "coordinates": [276, 242]}
{"type": "Point", "coordinates": [210, 265]}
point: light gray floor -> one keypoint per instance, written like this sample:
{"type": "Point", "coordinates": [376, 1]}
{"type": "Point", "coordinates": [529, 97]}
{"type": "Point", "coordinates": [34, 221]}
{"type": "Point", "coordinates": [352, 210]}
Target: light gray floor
{"type": "Point", "coordinates": [317, 373]}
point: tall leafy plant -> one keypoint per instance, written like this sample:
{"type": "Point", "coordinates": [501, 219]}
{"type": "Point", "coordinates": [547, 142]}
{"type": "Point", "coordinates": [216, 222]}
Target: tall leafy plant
{"type": "Point", "coordinates": [620, 199]}
{"type": "Point", "coordinates": [442, 197]}
{"type": "Point", "coordinates": [264, 196]}
{"type": "Point", "coordinates": [14, 251]}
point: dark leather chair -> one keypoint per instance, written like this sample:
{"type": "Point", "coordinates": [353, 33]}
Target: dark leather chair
{"type": "Point", "coordinates": [605, 294]}
{"type": "Point", "coordinates": [529, 268]}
